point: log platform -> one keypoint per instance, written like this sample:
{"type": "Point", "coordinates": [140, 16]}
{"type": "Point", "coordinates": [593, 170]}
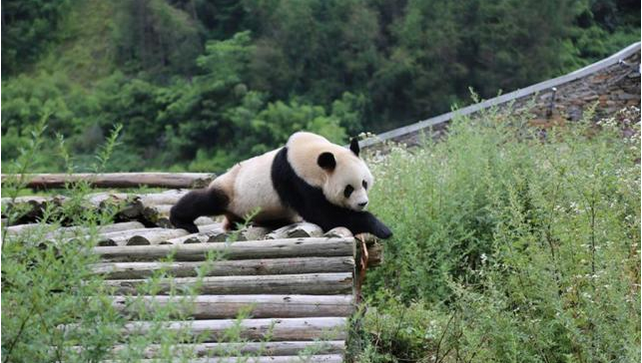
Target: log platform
{"type": "Point", "coordinates": [297, 286]}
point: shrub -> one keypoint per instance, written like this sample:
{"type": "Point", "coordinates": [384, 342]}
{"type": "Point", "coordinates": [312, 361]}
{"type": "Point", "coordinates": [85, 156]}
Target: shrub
{"type": "Point", "coordinates": [529, 241]}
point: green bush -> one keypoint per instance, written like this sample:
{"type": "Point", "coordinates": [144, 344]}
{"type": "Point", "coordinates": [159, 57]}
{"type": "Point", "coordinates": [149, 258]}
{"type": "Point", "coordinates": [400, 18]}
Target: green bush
{"type": "Point", "coordinates": [528, 243]}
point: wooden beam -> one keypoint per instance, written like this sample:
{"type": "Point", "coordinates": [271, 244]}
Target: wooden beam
{"type": "Point", "coordinates": [276, 266]}
{"type": "Point", "coordinates": [30, 207]}
{"type": "Point", "coordinates": [287, 348]}
{"type": "Point", "coordinates": [118, 180]}
{"type": "Point", "coordinates": [319, 284]}
{"type": "Point", "coordinates": [153, 236]}
{"type": "Point", "coordinates": [293, 247]}
{"type": "Point", "coordinates": [257, 306]}
{"type": "Point", "coordinates": [69, 232]}
{"type": "Point", "coordinates": [297, 230]}
{"type": "Point", "coordinates": [375, 255]}
{"type": "Point", "coordinates": [291, 329]}
{"type": "Point", "coordinates": [327, 358]}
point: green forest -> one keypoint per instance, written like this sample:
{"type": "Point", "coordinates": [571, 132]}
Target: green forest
{"type": "Point", "coordinates": [200, 84]}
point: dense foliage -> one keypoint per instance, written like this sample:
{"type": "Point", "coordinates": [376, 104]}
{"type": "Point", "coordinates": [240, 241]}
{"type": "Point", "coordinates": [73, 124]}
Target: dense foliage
{"type": "Point", "coordinates": [199, 84]}
{"type": "Point", "coordinates": [508, 248]}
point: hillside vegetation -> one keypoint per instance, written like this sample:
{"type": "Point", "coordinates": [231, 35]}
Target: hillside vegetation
{"type": "Point", "coordinates": [509, 247]}
{"type": "Point", "coordinates": [200, 84]}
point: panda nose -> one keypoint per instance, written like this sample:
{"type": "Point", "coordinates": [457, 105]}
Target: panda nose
{"type": "Point", "coordinates": [363, 204]}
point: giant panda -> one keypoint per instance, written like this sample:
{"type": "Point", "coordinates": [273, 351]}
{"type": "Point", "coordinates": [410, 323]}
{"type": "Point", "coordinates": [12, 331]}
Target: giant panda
{"type": "Point", "coordinates": [309, 178]}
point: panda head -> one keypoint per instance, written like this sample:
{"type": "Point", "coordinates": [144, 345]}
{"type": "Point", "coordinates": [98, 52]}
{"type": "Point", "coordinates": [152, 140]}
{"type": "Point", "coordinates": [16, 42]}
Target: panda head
{"type": "Point", "coordinates": [347, 177]}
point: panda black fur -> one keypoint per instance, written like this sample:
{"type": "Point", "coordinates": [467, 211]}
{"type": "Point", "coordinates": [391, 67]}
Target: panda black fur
{"type": "Point", "coordinates": [309, 178]}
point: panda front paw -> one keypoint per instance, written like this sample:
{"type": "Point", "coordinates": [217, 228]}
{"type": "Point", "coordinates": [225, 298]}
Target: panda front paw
{"type": "Point", "coordinates": [189, 226]}
{"type": "Point", "coordinates": [382, 231]}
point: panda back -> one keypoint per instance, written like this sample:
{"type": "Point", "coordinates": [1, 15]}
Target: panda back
{"type": "Point", "coordinates": [253, 188]}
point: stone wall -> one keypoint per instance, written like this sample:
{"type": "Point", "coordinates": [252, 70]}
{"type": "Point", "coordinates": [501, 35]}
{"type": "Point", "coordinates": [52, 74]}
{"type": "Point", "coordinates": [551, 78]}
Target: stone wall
{"type": "Point", "coordinates": [611, 84]}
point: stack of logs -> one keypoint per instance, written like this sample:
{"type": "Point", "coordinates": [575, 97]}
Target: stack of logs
{"type": "Point", "coordinates": [297, 283]}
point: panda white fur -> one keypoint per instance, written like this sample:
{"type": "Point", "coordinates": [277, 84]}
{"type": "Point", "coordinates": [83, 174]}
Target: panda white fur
{"type": "Point", "coordinates": [309, 178]}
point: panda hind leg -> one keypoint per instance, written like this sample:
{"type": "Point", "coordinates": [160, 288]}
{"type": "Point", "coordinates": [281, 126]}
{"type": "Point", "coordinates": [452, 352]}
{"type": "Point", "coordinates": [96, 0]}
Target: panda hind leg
{"type": "Point", "coordinates": [231, 222]}
{"type": "Point", "coordinates": [210, 201]}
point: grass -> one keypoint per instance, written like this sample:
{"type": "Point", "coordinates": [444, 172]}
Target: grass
{"type": "Point", "coordinates": [510, 246]}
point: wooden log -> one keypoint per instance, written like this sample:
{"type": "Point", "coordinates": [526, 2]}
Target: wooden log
{"type": "Point", "coordinates": [168, 198]}
{"type": "Point", "coordinates": [129, 205]}
{"type": "Point", "coordinates": [257, 306]}
{"type": "Point", "coordinates": [219, 236]}
{"type": "Point", "coordinates": [139, 237]}
{"type": "Point", "coordinates": [101, 199]}
{"type": "Point", "coordinates": [70, 232]}
{"type": "Point", "coordinates": [252, 233]}
{"type": "Point", "coordinates": [368, 238]}
{"type": "Point", "coordinates": [317, 283]}
{"type": "Point", "coordinates": [271, 349]}
{"type": "Point", "coordinates": [132, 209]}
{"type": "Point", "coordinates": [119, 227]}
{"type": "Point", "coordinates": [325, 358]}
{"type": "Point", "coordinates": [26, 228]}
{"type": "Point", "coordinates": [120, 238]}
{"type": "Point", "coordinates": [159, 209]}
{"type": "Point", "coordinates": [190, 238]}
{"type": "Point", "coordinates": [201, 221]}
{"type": "Point", "coordinates": [158, 215]}
{"type": "Point", "coordinates": [106, 233]}
{"type": "Point", "coordinates": [208, 228]}
{"type": "Point", "coordinates": [305, 229]}
{"type": "Point", "coordinates": [296, 230]}
{"type": "Point", "coordinates": [119, 180]}
{"type": "Point", "coordinates": [375, 255]}
{"type": "Point", "coordinates": [277, 266]}
{"type": "Point", "coordinates": [30, 207]}
{"type": "Point", "coordinates": [207, 233]}
{"type": "Point", "coordinates": [288, 329]}
{"type": "Point", "coordinates": [280, 233]}
{"type": "Point", "coordinates": [295, 247]}
{"type": "Point", "coordinates": [154, 236]}
{"type": "Point", "coordinates": [152, 207]}
{"type": "Point", "coordinates": [338, 232]}
{"type": "Point", "coordinates": [322, 358]}
{"type": "Point", "coordinates": [30, 200]}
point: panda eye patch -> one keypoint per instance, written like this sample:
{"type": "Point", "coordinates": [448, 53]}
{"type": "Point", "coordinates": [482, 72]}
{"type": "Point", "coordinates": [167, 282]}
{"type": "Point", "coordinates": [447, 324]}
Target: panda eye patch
{"type": "Point", "coordinates": [365, 184]}
{"type": "Point", "coordinates": [348, 191]}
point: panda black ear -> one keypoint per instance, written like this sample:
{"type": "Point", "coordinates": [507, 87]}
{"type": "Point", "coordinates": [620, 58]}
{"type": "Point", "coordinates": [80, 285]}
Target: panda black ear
{"type": "Point", "coordinates": [326, 161]}
{"type": "Point", "coordinates": [354, 146]}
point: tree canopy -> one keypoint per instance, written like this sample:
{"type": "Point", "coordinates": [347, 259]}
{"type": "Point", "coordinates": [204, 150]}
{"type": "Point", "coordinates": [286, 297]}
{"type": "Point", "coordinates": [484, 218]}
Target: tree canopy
{"type": "Point", "coordinates": [200, 84]}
